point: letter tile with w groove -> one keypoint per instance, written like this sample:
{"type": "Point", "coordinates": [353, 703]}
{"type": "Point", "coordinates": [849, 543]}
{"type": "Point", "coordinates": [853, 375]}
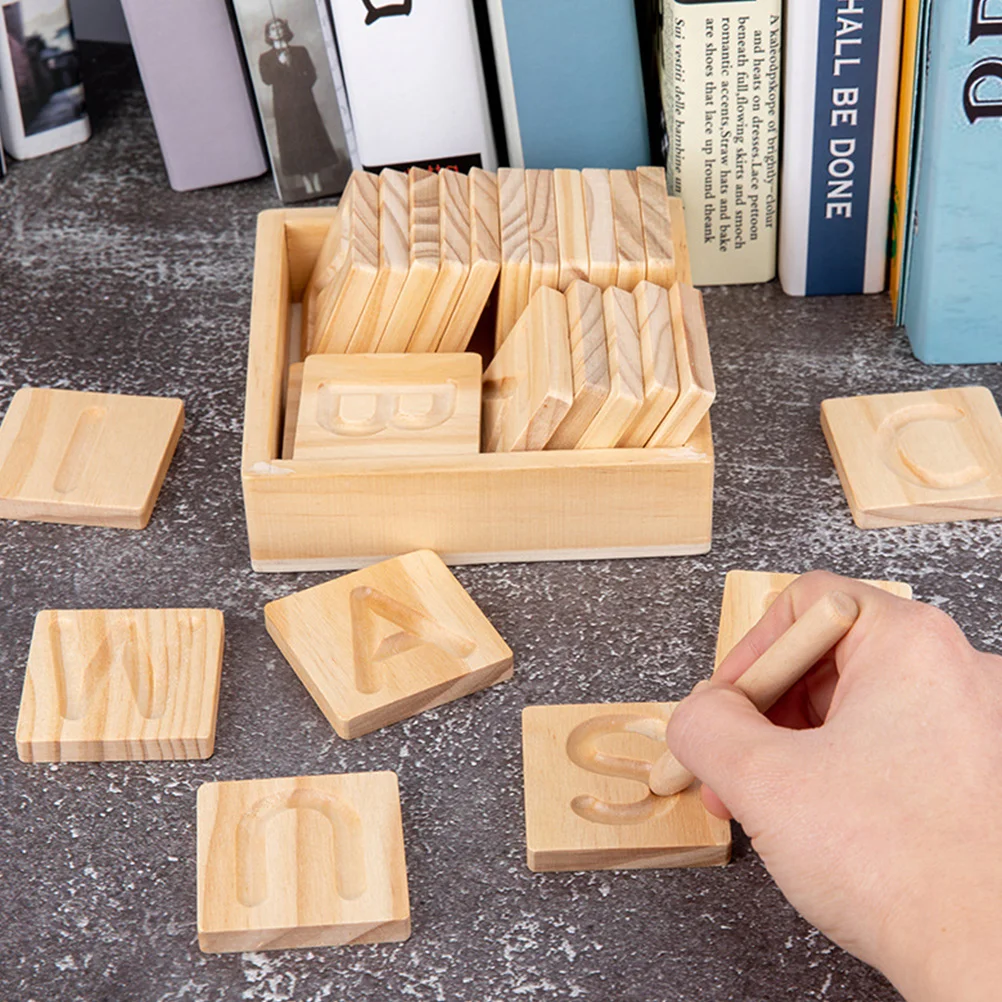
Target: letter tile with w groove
{"type": "Point", "coordinates": [388, 642]}
{"type": "Point", "coordinates": [116, 684]}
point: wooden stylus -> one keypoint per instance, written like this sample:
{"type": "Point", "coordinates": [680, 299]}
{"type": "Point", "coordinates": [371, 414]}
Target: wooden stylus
{"type": "Point", "coordinates": [815, 633]}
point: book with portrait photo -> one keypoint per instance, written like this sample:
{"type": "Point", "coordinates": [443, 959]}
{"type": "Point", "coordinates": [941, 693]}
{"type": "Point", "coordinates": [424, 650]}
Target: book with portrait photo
{"type": "Point", "coordinates": [41, 97]}
{"type": "Point", "coordinates": [296, 75]}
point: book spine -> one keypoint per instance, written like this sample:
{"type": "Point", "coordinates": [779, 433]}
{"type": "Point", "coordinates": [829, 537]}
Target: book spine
{"type": "Point", "coordinates": [954, 255]}
{"type": "Point", "coordinates": [202, 110]}
{"type": "Point", "coordinates": [904, 145]}
{"type": "Point", "coordinates": [41, 97]}
{"type": "Point", "coordinates": [415, 83]}
{"type": "Point", "coordinates": [720, 84]}
{"type": "Point", "coordinates": [572, 82]}
{"type": "Point", "coordinates": [841, 81]}
{"type": "Point", "coordinates": [295, 75]}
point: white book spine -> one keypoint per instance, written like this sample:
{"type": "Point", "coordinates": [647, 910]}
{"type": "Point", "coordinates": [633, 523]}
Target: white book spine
{"type": "Point", "coordinates": [415, 82]}
{"type": "Point", "coordinates": [41, 97]}
{"type": "Point", "coordinates": [720, 86]}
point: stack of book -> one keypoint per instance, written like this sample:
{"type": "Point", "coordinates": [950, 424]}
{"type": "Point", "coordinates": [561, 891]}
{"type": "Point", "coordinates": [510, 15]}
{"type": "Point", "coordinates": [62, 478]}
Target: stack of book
{"type": "Point", "coordinates": [890, 130]}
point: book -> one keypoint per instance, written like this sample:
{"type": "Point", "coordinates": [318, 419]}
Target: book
{"type": "Point", "coordinates": [415, 83]}
{"type": "Point", "coordinates": [202, 109]}
{"type": "Point", "coordinates": [720, 84]}
{"type": "Point", "coordinates": [296, 78]}
{"type": "Point", "coordinates": [42, 105]}
{"type": "Point", "coordinates": [901, 186]}
{"type": "Point", "coordinates": [952, 258]}
{"type": "Point", "coordinates": [841, 89]}
{"type": "Point", "coordinates": [572, 83]}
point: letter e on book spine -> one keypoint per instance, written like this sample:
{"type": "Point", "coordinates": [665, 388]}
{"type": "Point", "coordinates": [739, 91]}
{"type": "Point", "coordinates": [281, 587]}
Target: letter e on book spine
{"type": "Point", "coordinates": [841, 82]}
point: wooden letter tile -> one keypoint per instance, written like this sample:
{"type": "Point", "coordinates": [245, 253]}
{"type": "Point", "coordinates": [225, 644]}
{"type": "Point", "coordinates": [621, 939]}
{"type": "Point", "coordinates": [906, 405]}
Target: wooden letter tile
{"type": "Point", "coordinates": [748, 594]}
{"type": "Point", "coordinates": [394, 262]}
{"type": "Point", "coordinates": [385, 405]}
{"type": "Point", "coordinates": [485, 261]}
{"type": "Point", "coordinates": [696, 388]}
{"type": "Point", "coordinates": [513, 290]}
{"type": "Point", "coordinates": [121, 684]}
{"type": "Point", "coordinates": [655, 211]}
{"type": "Point", "coordinates": [544, 247]}
{"type": "Point", "coordinates": [587, 803]}
{"type": "Point", "coordinates": [657, 353]}
{"type": "Point", "coordinates": [630, 252]}
{"type": "Point", "coordinates": [293, 392]}
{"type": "Point", "coordinates": [86, 458]}
{"type": "Point", "coordinates": [572, 227]}
{"type": "Point", "coordinates": [424, 256]}
{"type": "Point", "coordinates": [332, 319]}
{"type": "Point", "coordinates": [303, 861]}
{"type": "Point", "coordinates": [603, 258]}
{"type": "Point", "coordinates": [528, 387]}
{"type": "Point", "coordinates": [454, 267]}
{"type": "Point", "coordinates": [626, 380]}
{"type": "Point", "coordinates": [589, 364]}
{"type": "Point", "coordinates": [388, 642]}
{"type": "Point", "coordinates": [928, 456]}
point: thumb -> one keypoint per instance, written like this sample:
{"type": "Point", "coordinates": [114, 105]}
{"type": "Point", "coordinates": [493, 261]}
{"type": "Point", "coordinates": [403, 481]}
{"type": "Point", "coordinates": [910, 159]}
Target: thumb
{"type": "Point", "coordinates": [720, 737]}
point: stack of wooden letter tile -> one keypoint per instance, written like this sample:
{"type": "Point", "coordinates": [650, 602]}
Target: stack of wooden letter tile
{"type": "Point", "coordinates": [587, 369]}
{"type": "Point", "coordinates": [407, 265]}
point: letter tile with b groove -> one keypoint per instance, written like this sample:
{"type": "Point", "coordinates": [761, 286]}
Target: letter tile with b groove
{"type": "Point", "coordinates": [85, 458]}
{"type": "Point", "coordinates": [374, 406]}
{"type": "Point", "coordinates": [303, 861]}
{"type": "Point", "coordinates": [121, 684]}
{"type": "Point", "coordinates": [587, 802]}
{"type": "Point", "coordinates": [927, 456]}
{"type": "Point", "coordinates": [388, 642]}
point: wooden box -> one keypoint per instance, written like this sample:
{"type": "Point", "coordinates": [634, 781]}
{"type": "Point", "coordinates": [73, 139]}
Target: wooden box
{"type": "Point", "coordinates": [322, 514]}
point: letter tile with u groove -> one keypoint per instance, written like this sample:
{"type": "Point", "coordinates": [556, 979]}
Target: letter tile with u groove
{"type": "Point", "coordinates": [303, 861]}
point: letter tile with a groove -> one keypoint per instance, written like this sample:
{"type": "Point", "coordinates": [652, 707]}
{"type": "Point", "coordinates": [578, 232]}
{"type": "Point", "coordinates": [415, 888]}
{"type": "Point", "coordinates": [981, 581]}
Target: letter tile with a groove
{"type": "Point", "coordinates": [388, 642]}
{"type": "Point", "coordinates": [304, 861]}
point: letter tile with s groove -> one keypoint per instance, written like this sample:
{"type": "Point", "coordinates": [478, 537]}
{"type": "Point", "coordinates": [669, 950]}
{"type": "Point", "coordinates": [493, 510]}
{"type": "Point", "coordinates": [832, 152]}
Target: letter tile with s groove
{"type": "Point", "coordinates": [302, 861]}
{"type": "Point", "coordinates": [587, 802]}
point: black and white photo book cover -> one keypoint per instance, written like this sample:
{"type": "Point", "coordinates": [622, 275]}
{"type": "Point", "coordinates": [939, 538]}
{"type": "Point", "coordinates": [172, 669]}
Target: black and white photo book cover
{"type": "Point", "coordinates": [296, 74]}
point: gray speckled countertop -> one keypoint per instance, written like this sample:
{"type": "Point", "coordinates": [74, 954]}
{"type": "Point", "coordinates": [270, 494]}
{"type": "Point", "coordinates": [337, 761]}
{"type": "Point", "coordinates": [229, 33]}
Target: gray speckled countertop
{"type": "Point", "coordinates": [111, 281]}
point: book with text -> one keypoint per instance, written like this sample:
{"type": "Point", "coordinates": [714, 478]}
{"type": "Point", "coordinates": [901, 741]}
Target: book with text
{"type": "Point", "coordinates": [953, 253]}
{"type": "Point", "coordinates": [720, 84]}
{"type": "Point", "coordinates": [841, 87]}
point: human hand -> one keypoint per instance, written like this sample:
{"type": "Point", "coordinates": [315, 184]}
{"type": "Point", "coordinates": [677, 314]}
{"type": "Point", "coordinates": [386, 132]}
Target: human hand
{"type": "Point", "coordinates": [872, 790]}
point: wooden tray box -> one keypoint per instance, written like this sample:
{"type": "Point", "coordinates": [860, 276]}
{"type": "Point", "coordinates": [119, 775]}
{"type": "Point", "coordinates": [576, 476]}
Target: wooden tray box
{"type": "Point", "coordinates": [336, 514]}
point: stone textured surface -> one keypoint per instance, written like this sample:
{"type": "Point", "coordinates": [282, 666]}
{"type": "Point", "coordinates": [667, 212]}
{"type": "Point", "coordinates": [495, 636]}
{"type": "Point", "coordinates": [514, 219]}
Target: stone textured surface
{"type": "Point", "coordinates": [110, 281]}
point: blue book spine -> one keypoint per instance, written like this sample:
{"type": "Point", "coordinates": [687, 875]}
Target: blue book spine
{"type": "Point", "coordinates": [841, 87]}
{"type": "Point", "coordinates": [951, 306]}
{"type": "Point", "coordinates": [572, 84]}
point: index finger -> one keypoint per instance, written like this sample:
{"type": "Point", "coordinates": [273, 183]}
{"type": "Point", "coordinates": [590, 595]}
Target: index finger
{"type": "Point", "coordinates": [791, 604]}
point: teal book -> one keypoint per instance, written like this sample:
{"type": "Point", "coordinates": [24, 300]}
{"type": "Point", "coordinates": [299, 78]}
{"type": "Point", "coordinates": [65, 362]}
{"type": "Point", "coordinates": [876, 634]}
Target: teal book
{"type": "Point", "coordinates": [952, 305]}
{"type": "Point", "coordinates": [572, 82]}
